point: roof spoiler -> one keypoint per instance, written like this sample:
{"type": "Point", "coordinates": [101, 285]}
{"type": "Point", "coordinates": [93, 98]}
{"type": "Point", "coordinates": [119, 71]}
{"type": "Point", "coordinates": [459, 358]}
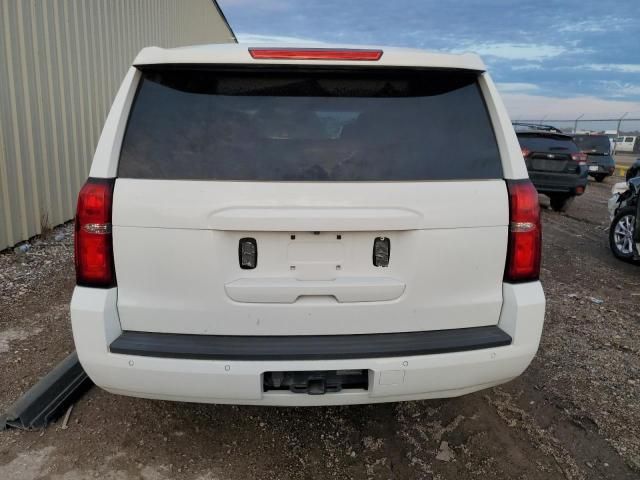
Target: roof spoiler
{"type": "Point", "coordinates": [538, 127]}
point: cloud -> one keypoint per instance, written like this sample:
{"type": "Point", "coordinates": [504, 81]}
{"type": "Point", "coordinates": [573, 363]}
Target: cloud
{"type": "Point", "coordinates": [617, 89]}
{"type": "Point", "coordinates": [526, 67]}
{"type": "Point", "coordinates": [258, 38]}
{"type": "Point", "coordinates": [277, 6]}
{"type": "Point", "coordinates": [605, 24]}
{"type": "Point", "coordinates": [611, 67]}
{"type": "Point", "coordinates": [515, 51]}
{"type": "Point", "coordinates": [584, 26]}
{"type": "Point", "coordinates": [527, 106]}
{"type": "Point", "coordinates": [513, 87]}
{"type": "Point", "coordinates": [566, 50]}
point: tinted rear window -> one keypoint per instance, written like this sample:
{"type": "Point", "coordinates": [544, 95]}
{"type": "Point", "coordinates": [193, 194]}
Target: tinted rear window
{"type": "Point", "coordinates": [545, 142]}
{"type": "Point", "coordinates": [588, 143]}
{"type": "Point", "coordinates": [310, 125]}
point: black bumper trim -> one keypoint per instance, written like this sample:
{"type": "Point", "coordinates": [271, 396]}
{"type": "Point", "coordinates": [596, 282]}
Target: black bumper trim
{"type": "Point", "coordinates": [307, 347]}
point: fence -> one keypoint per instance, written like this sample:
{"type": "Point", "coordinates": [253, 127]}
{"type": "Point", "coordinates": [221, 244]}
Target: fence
{"type": "Point", "coordinates": [623, 125]}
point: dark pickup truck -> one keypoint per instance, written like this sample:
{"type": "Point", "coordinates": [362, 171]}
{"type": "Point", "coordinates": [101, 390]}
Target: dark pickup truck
{"type": "Point", "coordinates": [557, 167]}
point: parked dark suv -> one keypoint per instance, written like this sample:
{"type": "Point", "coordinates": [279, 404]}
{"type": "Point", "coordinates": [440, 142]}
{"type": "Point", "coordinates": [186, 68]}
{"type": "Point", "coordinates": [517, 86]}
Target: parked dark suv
{"type": "Point", "coordinates": [600, 163]}
{"type": "Point", "coordinates": [556, 165]}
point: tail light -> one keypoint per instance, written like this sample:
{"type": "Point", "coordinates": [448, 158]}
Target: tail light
{"type": "Point", "coordinates": [314, 54]}
{"type": "Point", "coordinates": [579, 157]}
{"type": "Point", "coordinates": [525, 152]}
{"type": "Point", "coordinates": [93, 239]}
{"type": "Point", "coordinates": [525, 233]}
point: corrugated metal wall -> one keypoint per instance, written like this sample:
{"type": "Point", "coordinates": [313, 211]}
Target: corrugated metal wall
{"type": "Point", "coordinates": [61, 63]}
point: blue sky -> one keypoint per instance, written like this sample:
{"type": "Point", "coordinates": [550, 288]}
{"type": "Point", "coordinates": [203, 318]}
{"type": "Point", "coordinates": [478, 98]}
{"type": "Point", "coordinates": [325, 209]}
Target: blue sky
{"type": "Point", "coordinates": [550, 58]}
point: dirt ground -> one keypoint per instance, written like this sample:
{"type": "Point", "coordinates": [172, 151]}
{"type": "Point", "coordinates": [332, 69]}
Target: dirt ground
{"type": "Point", "coordinates": [574, 414]}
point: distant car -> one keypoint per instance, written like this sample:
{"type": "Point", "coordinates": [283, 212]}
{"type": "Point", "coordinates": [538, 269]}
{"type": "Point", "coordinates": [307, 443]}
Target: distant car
{"type": "Point", "coordinates": [600, 162]}
{"type": "Point", "coordinates": [556, 165]}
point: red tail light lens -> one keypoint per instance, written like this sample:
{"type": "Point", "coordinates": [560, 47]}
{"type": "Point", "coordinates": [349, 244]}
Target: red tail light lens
{"type": "Point", "coordinates": [525, 152]}
{"type": "Point", "coordinates": [314, 54]}
{"type": "Point", "coordinates": [525, 233]}
{"type": "Point", "coordinates": [93, 239]}
{"type": "Point", "coordinates": [579, 157]}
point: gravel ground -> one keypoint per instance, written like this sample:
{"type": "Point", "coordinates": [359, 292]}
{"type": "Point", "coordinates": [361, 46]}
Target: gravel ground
{"type": "Point", "coordinates": [573, 414]}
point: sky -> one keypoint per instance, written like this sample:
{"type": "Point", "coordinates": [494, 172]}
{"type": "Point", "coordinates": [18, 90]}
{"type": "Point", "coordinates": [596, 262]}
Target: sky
{"type": "Point", "coordinates": [552, 59]}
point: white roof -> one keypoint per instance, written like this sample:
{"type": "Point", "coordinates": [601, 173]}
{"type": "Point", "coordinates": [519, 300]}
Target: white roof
{"type": "Point", "coordinates": [239, 53]}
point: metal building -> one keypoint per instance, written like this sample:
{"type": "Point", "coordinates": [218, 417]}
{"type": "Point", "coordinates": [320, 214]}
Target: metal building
{"type": "Point", "coordinates": [61, 63]}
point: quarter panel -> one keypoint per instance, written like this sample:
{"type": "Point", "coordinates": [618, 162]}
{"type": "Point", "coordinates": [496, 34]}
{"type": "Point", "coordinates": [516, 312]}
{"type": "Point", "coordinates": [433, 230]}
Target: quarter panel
{"type": "Point", "coordinates": [105, 159]}
{"type": "Point", "coordinates": [513, 164]}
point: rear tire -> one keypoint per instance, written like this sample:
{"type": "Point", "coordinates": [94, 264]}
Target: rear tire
{"type": "Point", "coordinates": [560, 202]}
{"type": "Point", "coordinates": [621, 235]}
{"type": "Point", "coordinates": [600, 177]}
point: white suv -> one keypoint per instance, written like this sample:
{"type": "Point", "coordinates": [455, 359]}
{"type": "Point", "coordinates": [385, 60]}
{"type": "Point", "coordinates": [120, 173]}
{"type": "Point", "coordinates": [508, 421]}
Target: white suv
{"type": "Point", "coordinates": [306, 226]}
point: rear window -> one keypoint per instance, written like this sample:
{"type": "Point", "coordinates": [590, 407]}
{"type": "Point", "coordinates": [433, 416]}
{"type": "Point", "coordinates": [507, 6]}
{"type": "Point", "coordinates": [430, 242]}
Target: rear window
{"type": "Point", "coordinates": [593, 143]}
{"type": "Point", "coordinates": [309, 125]}
{"type": "Point", "coordinates": [546, 142]}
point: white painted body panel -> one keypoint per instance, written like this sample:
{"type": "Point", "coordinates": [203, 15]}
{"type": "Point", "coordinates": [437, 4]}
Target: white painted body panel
{"type": "Point", "coordinates": [291, 290]}
{"type": "Point", "coordinates": [309, 206]}
{"type": "Point", "coordinates": [95, 325]}
{"type": "Point", "coordinates": [513, 166]}
{"type": "Point", "coordinates": [105, 160]}
{"type": "Point", "coordinates": [178, 269]}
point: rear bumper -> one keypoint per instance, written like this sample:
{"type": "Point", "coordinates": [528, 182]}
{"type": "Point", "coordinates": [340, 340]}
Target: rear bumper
{"type": "Point", "coordinates": [602, 171]}
{"type": "Point", "coordinates": [605, 165]}
{"type": "Point", "coordinates": [568, 183]}
{"type": "Point", "coordinates": [307, 347]}
{"type": "Point", "coordinates": [407, 375]}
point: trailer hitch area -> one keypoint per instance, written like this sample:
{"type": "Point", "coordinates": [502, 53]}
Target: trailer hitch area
{"type": "Point", "coordinates": [316, 382]}
{"type": "Point", "coordinates": [315, 386]}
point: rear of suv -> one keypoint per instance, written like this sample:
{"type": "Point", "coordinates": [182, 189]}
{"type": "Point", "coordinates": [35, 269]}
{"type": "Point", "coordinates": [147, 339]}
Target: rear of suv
{"type": "Point", "coordinates": [597, 148]}
{"type": "Point", "coordinates": [291, 226]}
{"type": "Point", "coordinates": [557, 167]}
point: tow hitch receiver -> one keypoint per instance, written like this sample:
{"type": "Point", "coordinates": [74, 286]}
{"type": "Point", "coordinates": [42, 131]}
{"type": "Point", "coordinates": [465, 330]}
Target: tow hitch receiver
{"type": "Point", "coordinates": [316, 382]}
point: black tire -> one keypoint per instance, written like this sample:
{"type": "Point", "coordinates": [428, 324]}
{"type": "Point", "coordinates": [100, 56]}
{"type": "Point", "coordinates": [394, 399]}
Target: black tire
{"type": "Point", "coordinates": [600, 177]}
{"type": "Point", "coordinates": [560, 202]}
{"type": "Point", "coordinates": [617, 232]}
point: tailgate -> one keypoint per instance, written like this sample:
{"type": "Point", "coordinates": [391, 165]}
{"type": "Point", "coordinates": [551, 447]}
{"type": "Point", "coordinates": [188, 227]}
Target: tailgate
{"type": "Point", "coordinates": [312, 167]}
{"type": "Point", "coordinates": [176, 255]}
